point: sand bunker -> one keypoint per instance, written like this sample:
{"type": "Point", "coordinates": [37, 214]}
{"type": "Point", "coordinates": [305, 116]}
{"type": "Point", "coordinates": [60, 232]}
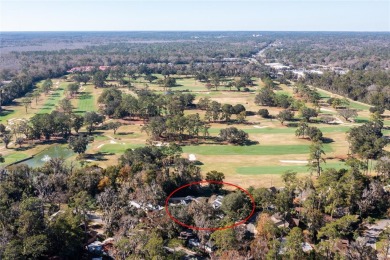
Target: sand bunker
{"type": "Point", "coordinates": [192, 157]}
{"type": "Point", "coordinates": [292, 161]}
{"type": "Point", "coordinates": [258, 126]}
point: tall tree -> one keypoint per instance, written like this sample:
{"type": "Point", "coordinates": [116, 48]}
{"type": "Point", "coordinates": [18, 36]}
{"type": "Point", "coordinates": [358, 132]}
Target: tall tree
{"type": "Point", "coordinates": [285, 115]}
{"type": "Point", "coordinates": [47, 86]}
{"type": "Point", "coordinates": [91, 119]}
{"type": "Point", "coordinates": [316, 157]}
{"type": "Point", "coordinates": [294, 241]}
{"type": "Point", "coordinates": [215, 176]}
{"type": "Point", "coordinates": [99, 79]}
{"type": "Point", "coordinates": [347, 113]}
{"type": "Point", "coordinates": [78, 144]}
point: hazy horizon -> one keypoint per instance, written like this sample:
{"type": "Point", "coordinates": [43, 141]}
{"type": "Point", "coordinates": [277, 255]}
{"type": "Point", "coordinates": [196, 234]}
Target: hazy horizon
{"type": "Point", "coordinates": [190, 15]}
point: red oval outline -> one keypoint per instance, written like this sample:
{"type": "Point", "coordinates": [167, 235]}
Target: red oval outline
{"type": "Point", "coordinates": [210, 229]}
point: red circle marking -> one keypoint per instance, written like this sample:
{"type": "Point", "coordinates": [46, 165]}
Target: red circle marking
{"type": "Point", "coordinates": [210, 229]}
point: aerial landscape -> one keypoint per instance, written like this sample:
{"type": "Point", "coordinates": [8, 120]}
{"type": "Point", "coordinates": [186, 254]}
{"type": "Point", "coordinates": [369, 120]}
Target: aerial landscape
{"type": "Point", "coordinates": [177, 136]}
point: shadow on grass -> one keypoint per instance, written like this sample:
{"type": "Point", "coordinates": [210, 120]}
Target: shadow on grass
{"type": "Point", "coordinates": [6, 112]}
{"type": "Point", "coordinates": [198, 163]}
{"type": "Point", "coordinates": [23, 148]}
{"type": "Point", "coordinates": [49, 105]}
{"type": "Point", "coordinates": [99, 156]}
{"type": "Point", "coordinates": [125, 133]}
{"type": "Point", "coordinates": [327, 140]}
{"type": "Point", "coordinates": [54, 141]}
{"type": "Point", "coordinates": [361, 121]}
{"type": "Point", "coordinates": [85, 95]}
{"type": "Point", "coordinates": [250, 142]}
{"type": "Point", "coordinates": [292, 124]}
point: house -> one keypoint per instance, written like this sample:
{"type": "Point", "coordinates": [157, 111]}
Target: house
{"type": "Point", "coordinates": [95, 247]}
{"type": "Point", "coordinates": [210, 247]}
{"type": "Point", "coordinates": [218, 202]}
{"type": "Point", "coordinates": [186, 234]}
{"type": "Point", "coordinates": [306, 247]}
{"type": "Point", "coordinates": [277, 219]}
{"type": "Point", "coordinates": [251, 228]}
{"type": "Point", "coordinates": [194, 242]}
{"type": "Point", "coordinates": [147, 207]}
{"type": "Point", "coordinates": [135, 204]}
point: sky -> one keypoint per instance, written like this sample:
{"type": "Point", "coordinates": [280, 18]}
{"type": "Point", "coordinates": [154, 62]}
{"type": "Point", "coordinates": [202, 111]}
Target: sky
{"type": "Point", "coordinates": [190, 15]}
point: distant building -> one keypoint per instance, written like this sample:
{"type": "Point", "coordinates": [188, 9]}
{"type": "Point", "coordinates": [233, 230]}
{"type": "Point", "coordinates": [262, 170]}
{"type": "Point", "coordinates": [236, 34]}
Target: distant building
{"type": "Point", "coordinates": [87, 69]}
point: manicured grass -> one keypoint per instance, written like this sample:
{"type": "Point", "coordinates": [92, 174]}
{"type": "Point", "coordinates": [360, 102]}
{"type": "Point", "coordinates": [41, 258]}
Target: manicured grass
{"type": "Point", "coordinates": [335, 129]}
{"type": "Point", "coordinates": [17, 109]}
{"type": "Point", "coordinates": [118, 148]}
{"type": "Point", "coordinates": [121, 135]}
{"type": "Point", "coordinates": [361, 119]}
{"type": "Point", "coordinates": [250, 150]}
{"type": "Point", "coordinates": [53, 99]}
{"type": "Point", "coordinates": [353, 104]}
{"type": "Point", "coordinates": [100, 138]}
{"type": "Point", "coordinates": [6, 114]}
{"type": "Point", "coordinates": [14, 157]}
{"type": "Point", "coordinates": [356, 105]}
{"type": "Point", "coordinates": [279, 169]}
{"type": "Point", "coordinates": [85, 102]}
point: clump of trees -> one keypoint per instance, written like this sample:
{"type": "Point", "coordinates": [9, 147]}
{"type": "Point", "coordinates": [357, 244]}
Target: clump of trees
{"type": "Point", "coordinates": [233, 135]}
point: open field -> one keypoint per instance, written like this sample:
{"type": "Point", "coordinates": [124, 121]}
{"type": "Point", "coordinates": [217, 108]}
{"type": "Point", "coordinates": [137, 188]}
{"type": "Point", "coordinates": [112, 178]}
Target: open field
{"type": "Point", "coordinates": [278, 149]}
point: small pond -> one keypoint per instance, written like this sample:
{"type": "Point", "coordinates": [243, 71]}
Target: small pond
{"type": "Point", "coordinates": [54, 151]}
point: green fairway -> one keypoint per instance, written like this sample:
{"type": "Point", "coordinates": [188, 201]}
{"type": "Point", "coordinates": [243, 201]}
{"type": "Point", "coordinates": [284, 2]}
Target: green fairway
{"type": "Point", "coordinates": [279, 169]}
{"type": "Point", "coordinates": [361, 120]}
{"type": "Point", "coordinates": [360, 106]}
{"type": "Point", "coordinates": [6, 115]}
{"type": "Point", "coordinates": [85, 102]}
{"type": "Point", "coordinates": [250, 150]}
{"type": "Point", "coordinates": [53, 99]}
{"type": "Point", "coordinates": [335, 129]}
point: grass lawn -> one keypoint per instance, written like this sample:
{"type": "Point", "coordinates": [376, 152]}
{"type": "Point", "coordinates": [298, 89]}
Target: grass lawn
{"type": "Point", "coordinates": [14, 157]}
{"type": "Point", "coordinates": [323, 94]}
{"type": "Point", "coordinates": [357, 105]}
{"type": "Point", "coordinates": [279, 169]}
{"type": "Point", "coordinates": [85, 101]}
{"type": "Point", "coordinates": [56, 95]}
{"type": "Point", "coordinates": [17, 110]}
{"type": "Point", "coordinates": [250, 150]}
